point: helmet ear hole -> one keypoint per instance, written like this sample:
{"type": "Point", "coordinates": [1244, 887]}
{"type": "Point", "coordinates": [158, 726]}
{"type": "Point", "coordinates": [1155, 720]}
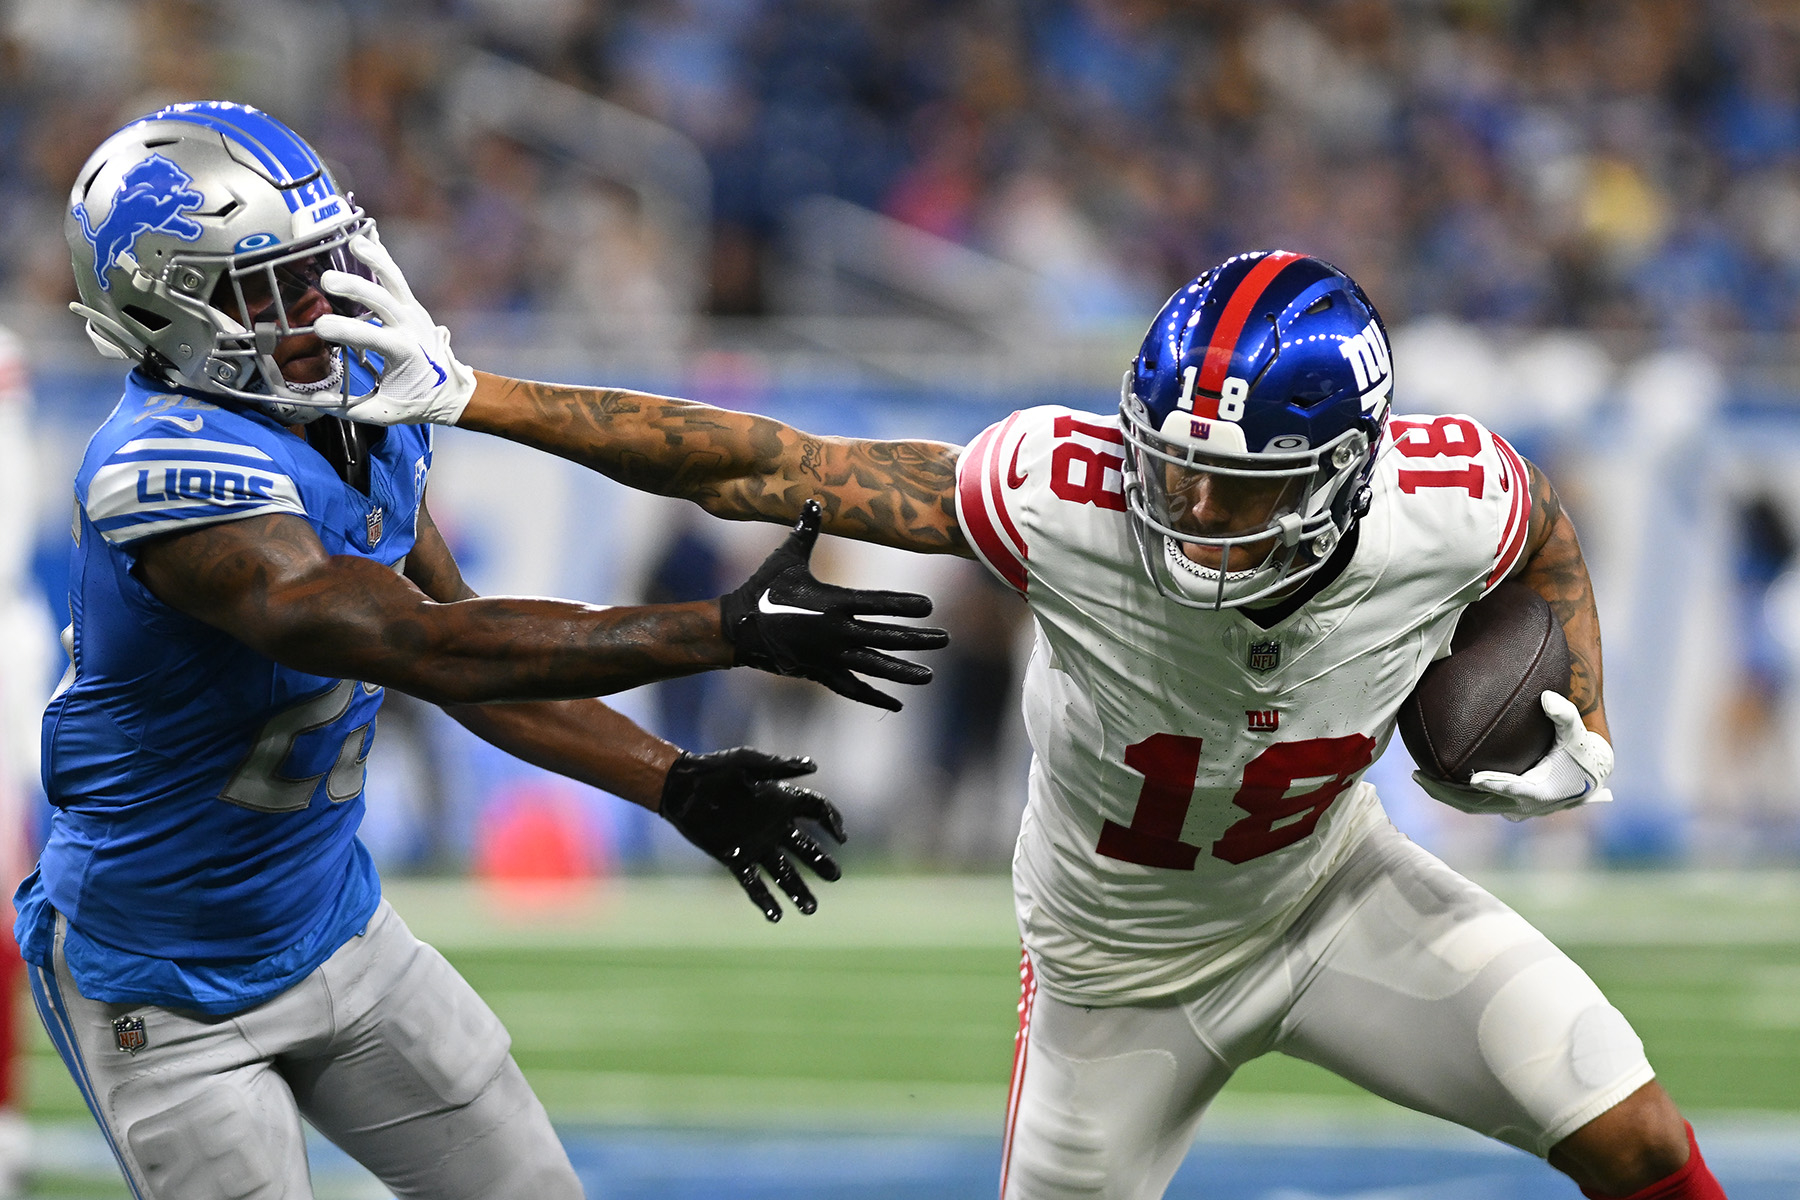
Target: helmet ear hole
{"type": "Point", "coordinates": [143, 316]}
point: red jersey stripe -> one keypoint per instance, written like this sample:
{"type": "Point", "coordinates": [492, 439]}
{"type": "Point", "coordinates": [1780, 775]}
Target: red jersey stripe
{"type": "Point", "coordinates": [995, 489]}
{"type": "Point", "coordinates": [1518, 523]}
{"type": "Point", "coordinates": [1520, 496]}
{"type": "Point", "coordinates": [971, 471]}
{"type": "Point", "coordinates": [1231, 324]}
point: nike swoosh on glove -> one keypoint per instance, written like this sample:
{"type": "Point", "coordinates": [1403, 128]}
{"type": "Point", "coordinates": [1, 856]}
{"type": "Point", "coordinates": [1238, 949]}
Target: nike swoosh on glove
{"type": "Point", "coordinates": [785, 621]}
{"type": "Point", "coordinates": [421, 379]}
{"type": "Point", "coordinates": [1573, 773]}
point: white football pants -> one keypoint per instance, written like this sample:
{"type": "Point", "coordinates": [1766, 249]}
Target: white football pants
{"type": "Point", "coordinates": [385, 1049]}
{"type": "Point", "coordinates": [1401, 976]}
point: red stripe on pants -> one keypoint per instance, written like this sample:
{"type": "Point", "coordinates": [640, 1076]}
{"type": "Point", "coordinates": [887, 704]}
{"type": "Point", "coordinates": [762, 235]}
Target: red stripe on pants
{"type": "Point", "coordinates": [1027, 996]}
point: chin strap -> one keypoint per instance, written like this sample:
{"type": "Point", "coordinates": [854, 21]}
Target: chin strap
{"type": "Point", "coordinates": [109, 337]}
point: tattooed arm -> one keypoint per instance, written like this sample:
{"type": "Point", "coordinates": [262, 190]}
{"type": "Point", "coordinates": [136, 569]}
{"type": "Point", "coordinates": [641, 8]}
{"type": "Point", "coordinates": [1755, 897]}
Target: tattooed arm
{"type": "Point", "coordinates": [268, 582]}
{"type": "Point", "coordinates": [733, 464]}
{"type": "Point", "coordinates": [582, 739]}
{"type": "Point", "coordinates": [1553, 567]}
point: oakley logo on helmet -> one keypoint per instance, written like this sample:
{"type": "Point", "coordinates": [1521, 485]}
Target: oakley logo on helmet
{"type": "Point", "coordinates": [154, 196]}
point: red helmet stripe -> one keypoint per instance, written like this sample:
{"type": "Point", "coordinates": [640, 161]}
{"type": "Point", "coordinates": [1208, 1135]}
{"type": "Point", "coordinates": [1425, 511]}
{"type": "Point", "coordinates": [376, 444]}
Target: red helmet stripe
{"type": "Point", "coordinates": [1231, 324]}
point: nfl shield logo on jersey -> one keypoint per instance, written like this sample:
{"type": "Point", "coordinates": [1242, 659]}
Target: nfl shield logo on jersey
{"type": "Point", "coordinates": [374, 525]}
{"type": "Point", "coordinates": [128, 1034]}
{"type": "Point", "coordinates": [1265, 656]}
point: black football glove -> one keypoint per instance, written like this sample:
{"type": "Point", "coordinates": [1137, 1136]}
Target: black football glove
{"type": "Point", "coordinates": [785, 621]}
{"type": "Point", "coordinates": [736, 806]}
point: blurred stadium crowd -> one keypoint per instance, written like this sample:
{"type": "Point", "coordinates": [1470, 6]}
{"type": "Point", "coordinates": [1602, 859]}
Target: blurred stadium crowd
{"type": "Point", "coordinates": [1541, 162]}
{"type": "Point", "coordinates": [1581, 219]}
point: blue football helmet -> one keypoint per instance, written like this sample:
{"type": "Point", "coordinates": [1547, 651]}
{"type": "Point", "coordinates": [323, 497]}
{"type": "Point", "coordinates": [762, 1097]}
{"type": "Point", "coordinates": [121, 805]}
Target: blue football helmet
{"type": "Point", "coordinates": [195, 232]}
{"type": "Point", "coordinates": [1253, 414]}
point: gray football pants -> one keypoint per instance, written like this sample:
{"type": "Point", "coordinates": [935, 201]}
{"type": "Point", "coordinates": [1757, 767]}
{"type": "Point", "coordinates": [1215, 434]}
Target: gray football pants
{"type": "Point", "coordinates": [385, 1049]}
{"type": "Point", "coordinates": [1401, 976]}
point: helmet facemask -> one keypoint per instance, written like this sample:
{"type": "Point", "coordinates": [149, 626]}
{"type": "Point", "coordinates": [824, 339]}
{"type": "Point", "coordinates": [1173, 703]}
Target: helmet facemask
{"type": "Point", "coordinates": [256, 300]}
{"type": "Point", "coordinates": [1219, 527]}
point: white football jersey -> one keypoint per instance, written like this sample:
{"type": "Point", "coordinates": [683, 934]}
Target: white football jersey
{"type": "Point", "coordinates": [1196, 775]}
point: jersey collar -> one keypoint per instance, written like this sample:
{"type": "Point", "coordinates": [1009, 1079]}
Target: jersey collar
{"type": "Point", "coordinates": [1269, 616]}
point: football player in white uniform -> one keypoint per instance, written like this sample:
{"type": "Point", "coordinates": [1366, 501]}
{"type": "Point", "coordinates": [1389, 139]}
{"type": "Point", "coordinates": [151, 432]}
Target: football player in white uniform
{"type": "Point", "coordinates": [1236, 578]}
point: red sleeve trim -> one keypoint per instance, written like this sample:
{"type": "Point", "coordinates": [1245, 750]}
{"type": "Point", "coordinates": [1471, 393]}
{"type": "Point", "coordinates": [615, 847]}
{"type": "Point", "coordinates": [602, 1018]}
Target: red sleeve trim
{"type": "Point", "coordinates": [978, 485]}
{"type": "Point", "coordinates": [992, 477]}
{"type": "Point", "coordinates": [1512, 537]}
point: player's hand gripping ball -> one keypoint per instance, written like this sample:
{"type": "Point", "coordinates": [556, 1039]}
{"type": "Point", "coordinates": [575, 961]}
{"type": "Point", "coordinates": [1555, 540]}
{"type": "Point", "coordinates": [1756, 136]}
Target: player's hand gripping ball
{"type": "Point", "coordinates": [1574, 772]}
{"type": "Point", "coordinates": [1491, 727]}
{"type": "Point", "coordinates": [784, 621]}
{"type": "Point", "coordinates": [738, 807]}
{"type": "Point", "coordinates": [421, 379]}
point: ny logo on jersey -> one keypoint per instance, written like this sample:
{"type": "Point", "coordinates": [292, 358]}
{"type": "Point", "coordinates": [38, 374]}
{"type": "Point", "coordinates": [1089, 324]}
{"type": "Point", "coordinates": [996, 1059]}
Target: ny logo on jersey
{"type": "Point", "coordinates": [128, 1034]}
{"type": "Point", "coordinates": [1265, 656]}
{"type": "Point", "coordinates": [1263, 720]}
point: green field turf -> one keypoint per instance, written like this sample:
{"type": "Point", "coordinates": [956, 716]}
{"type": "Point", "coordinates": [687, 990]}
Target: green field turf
{"type": "Point", "coordinates": [670, 1001]}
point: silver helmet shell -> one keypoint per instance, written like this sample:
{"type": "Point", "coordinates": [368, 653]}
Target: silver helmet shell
{"type": "Point", "coordinates": [181, 222]}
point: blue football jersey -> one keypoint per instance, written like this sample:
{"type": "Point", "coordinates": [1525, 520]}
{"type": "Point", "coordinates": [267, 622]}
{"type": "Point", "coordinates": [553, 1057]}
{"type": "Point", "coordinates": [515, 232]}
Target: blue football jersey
{"type": "Point", "coordinates": [203, 847]}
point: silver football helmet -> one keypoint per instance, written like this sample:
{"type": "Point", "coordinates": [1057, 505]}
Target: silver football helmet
{"type": "Point", "coordinates": [198, 235]}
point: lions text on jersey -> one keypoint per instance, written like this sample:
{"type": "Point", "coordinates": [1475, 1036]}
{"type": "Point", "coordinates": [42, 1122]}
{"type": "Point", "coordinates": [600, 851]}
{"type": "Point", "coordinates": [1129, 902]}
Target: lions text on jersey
{"type": "Point", "coordinates": [204, 847]}
{"type": "Point", "coordinates": [1198, 773]}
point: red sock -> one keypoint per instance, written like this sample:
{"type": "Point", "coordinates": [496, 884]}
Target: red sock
{"type": "Point", "coordinates": [1692, 1182]}
{"type": "Point", "coordinates": [12, 979]}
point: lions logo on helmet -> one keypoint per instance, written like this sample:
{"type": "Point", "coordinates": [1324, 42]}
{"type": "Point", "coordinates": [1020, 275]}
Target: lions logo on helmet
{"type": "Point", "coordinates": [154, 196]}
{"type": "Point", "coordinates": [195, 231]}
{"type": "Point", "coordinates": [1253, 413]}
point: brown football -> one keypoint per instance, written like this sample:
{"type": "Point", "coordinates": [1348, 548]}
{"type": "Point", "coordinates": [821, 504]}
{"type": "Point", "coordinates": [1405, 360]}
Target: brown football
{"type": "Point", "coordinates": [1479, 709]}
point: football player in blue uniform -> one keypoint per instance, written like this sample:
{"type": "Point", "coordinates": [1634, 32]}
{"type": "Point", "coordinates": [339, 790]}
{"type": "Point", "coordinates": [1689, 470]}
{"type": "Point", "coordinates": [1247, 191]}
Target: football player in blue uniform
{"type": "Point", "coordinates": [206, 938]}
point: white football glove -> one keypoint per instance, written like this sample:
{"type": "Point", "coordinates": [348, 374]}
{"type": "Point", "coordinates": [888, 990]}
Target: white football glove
{"type": "Point", "coordinates": [421, 380]}
{"type": "Point", "coordinates": [1574, 772]}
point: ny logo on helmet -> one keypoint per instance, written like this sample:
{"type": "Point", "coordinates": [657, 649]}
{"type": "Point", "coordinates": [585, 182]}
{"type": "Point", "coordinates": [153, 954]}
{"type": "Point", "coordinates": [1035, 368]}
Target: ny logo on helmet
{"type": "Point", "coordinates": [154, 197]}
{"type": "Point", "coordinates": [1368, 356]}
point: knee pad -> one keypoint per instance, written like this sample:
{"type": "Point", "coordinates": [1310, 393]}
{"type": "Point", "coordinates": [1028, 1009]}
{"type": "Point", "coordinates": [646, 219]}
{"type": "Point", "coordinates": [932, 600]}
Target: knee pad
{"type": "Point", "coordinates": [1559, 1047]}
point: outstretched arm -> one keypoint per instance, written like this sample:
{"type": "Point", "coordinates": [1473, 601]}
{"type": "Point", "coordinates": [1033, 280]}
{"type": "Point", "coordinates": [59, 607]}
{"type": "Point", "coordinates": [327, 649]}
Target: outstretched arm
{"type": "Point", "coordinates": [1553, 567]}
{"type": "Point", "coordinates": [734, 465]}
{"type": "Point", "coordinates": [269, 583]}
{"type": "Point", "coordinates": [582, 739]}
{"type": "Point", "coordinates": [736, 805]}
